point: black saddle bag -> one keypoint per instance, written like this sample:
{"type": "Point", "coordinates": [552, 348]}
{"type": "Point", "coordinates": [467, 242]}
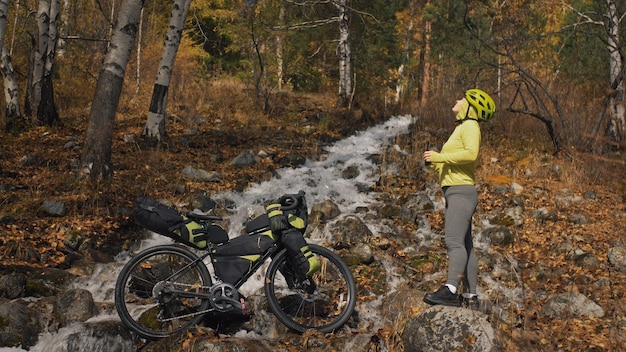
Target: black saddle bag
{"type": "Point", "coordinates": [169, 222]}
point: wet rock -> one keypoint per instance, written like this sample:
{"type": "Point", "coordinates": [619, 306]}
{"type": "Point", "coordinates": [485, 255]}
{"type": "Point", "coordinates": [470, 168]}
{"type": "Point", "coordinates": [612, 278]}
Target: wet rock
{"type": "Point", "coordinates": [48, 282]}
{"type": "Point", "coordinates": [292, 159]}
{"type": "Point", "coordinates": [75, 305]}
{"type": "Point", "coordinates": [20, 325]}
{"type": "Point", "coordinates": [12, 285]}
{"type": "Point", "coordinates": [348, 231]}
{"type": "Point", "coordinates": [361, 253]}
{"type": "Point", "coordinates": [100, 336]}
{"type": "Point", "coordinates": [324, 211]}
{"type": "Point", "coordinates": [350, 172]}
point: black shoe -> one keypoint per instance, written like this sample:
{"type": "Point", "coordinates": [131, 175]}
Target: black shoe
{"type": "Point", "coordinates": [444, 297]}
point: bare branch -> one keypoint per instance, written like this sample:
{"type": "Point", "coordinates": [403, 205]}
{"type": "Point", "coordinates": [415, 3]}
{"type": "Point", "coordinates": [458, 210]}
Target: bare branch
{"type": "Point", "coordinates": [309, 24]}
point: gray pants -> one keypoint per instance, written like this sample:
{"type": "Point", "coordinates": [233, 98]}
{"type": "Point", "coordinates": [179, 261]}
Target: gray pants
{"type": "Point", "coordinates": [461, 202]}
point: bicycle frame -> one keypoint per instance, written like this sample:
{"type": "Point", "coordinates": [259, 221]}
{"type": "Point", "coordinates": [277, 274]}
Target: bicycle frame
{"type": "Point", "coordinates": [269, 253]}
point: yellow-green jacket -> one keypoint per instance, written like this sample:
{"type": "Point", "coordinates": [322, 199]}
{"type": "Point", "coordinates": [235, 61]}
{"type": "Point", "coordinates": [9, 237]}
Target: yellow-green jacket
{"type": "Point", "coordinates": [456, 163]}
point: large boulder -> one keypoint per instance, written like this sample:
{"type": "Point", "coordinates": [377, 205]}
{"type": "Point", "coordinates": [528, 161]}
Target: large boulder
{"type": "Point", "coordinates": [75, 305]}
{"type": "Point", "coordinates": [441, 328]}
{"type": "Point", "coordinates": [19, 325]}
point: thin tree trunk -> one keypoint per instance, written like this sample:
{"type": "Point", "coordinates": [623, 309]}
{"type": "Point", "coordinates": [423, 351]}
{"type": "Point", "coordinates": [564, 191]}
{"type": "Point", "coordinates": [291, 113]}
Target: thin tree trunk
{"type": "Point", "coordinates": [17, 10]}
{"type": "Point", "coordinates": [139, 38]}
{"type": "Point", "coordinates": [345, 54]}
{"type": "Point", "coordinates": [155, 125]}
{"type": "Point", "coordinates": [425, 62]}
{"type": "Point", "coordinates": [617, 122]}
{"type": "Point", "coordinates": [280, 73]}
{"type": "Point", "coordinates": [46, 110]}
{"type": "Point", "coordinates": [400, 83]}
{"type": "Point", "coordinates": [13, 117]}
{"type": "Point", "coordinates": [96, 157]}
{"type": "Point", "coordinates": [14, 120]}
{"type": "Point", "coordinates": [38, 57]}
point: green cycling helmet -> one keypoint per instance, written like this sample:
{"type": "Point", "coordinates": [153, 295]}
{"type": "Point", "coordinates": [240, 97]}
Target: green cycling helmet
{"type": "Point", "coordinates": [482, 103]}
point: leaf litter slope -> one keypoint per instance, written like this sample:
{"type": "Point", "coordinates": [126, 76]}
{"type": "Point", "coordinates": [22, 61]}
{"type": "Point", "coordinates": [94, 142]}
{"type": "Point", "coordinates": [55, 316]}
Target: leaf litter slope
{"type": "Point", "coordinates": [38, 165]}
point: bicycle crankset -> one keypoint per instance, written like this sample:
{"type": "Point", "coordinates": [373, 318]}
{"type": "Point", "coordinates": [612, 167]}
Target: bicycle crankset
{"type": "Point", "coordinates": [224, 297]}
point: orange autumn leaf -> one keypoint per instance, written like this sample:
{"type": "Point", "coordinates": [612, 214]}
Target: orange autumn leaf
{"type": "Point", "coordinates": [499, 179]}
{"type": "Point", "coordinates": [524, 161]}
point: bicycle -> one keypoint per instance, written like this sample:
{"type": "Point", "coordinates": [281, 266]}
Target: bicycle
{"type": "Point", "coordinates": [168, 288]}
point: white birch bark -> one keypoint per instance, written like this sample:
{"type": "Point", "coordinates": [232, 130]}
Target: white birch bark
{"type": "Point", "coordinates": [155, 124]}
{"type": "Point", "coordinates": [344, 53]}
{"type": "Point", "coordinates": [280, 73]}
{"type": "Point", "coordinates": [17, 10]}
{"type": "Point", "coordinates": [96, 156]}
{"type": "Point", "coordinates": [39, 56]}
{"type": "Point", "coordinates": [13, 115]}
{"type": "Point", "coordinates": [66, 12]}
{"type": "Point", "coordinates": [53, 36]}
{"type": "Point", "coordinates": [12, 111]}
{"type": "Point", "coordinates": [617, 122]}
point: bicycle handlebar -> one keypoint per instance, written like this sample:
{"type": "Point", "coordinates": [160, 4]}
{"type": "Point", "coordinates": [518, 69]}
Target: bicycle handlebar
{"type": "Point", "coordinates": [290, 201]}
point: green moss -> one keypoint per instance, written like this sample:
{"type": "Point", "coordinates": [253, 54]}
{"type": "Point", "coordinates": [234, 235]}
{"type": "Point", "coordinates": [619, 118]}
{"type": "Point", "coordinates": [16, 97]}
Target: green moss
{"type": "Point", "coordinates": [38, 289]}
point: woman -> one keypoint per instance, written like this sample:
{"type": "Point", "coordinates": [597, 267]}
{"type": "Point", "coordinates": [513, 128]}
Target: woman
{"type": "Point", "coordinates": [456, 165]}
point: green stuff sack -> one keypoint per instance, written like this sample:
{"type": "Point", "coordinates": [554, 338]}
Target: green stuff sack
{"type": "Point", "coordinates": [169, 222]}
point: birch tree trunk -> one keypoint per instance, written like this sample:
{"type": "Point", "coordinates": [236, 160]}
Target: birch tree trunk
{"type": "Point", "coordinates": [345, 54]}
{"type": "Point", "coordinates": [33, 91]}
{"type": "Point", "coordinates": [39, 93]}
{"type": "Point", "coordinates": [155, 125]}
{"type": "Point", "coordinates": [14, 120]}
{"type": "Point", "coordinates": [13, 117]}
{"type": "Point", "coordinates": [46, 110]}
{"type": "Point", "coordinates": [617, 120]}
{"type": "Point", "coordinates": [280, 69]}
{"type": "Point", "coordinates": [96, 156]}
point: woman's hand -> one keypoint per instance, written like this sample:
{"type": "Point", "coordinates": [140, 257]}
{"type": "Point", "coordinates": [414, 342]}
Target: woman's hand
{"type": "Point", "coordinates": [426, 155]}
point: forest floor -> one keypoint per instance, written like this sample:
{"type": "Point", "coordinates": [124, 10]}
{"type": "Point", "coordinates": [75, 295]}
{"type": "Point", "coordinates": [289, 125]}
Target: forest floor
{"type": "Point", "coordinates": [39, 165]}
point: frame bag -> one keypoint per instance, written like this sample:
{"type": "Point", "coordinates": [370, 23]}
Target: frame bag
{"type": "Point", "coordinates": [234, 259]}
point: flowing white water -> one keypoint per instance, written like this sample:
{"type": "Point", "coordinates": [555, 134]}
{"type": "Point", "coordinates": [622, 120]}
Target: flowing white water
{"type": "Point", "coordinates": [320, 180]}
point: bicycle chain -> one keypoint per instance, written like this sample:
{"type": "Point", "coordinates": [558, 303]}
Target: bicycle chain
{"type": "Point", "coordinates": [208, 288]}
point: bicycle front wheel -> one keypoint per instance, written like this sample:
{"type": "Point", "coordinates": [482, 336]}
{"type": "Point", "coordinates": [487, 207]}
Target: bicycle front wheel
{"type": "Point", "coordinates": [323, 302]}
{"type": "Point", "coordinates": [159, 291]}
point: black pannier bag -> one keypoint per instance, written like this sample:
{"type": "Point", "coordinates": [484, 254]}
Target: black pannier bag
{"type": "Point", "coordinates": [234, 259]}
{"type": "Point", "coordinates": [169, 222]}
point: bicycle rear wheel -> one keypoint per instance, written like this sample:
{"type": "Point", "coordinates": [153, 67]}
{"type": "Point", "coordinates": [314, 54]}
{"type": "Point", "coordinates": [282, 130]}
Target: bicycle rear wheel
{"type": "Point", "coordinates": [324, 302]}
{"type": "Point", "coordinates": [154, 291]}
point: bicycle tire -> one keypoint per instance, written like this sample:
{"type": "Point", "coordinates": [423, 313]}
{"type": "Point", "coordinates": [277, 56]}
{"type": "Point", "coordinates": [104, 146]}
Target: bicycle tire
{"type": "Point", "coordinates": [153, 313]}
{"type": "Point", "coordinates": [326, 309]}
